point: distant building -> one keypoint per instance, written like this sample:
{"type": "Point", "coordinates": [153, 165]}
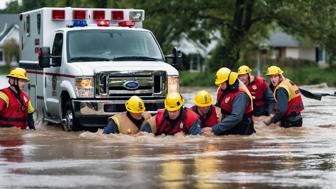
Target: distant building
{"type": "Point", "coordinates": [284, 46]}
{"type": "Point", "coordinates": [195, 51]}
{"type": "Point", "coordinates": [9, 29]}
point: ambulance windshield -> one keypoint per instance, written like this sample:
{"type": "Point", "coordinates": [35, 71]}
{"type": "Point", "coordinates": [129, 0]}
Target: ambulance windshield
{"type": "Point", "coordinates": [107, 45]}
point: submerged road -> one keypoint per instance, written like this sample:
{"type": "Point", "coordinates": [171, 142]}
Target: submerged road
{"type": "Point", "coordinates": [272, 158]}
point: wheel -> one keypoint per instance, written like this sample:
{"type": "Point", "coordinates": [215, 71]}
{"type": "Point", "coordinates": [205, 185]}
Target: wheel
{"type": "Point", "coordinates": [71, 122]}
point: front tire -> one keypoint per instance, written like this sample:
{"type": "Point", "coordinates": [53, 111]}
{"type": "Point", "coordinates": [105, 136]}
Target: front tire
{"type": "Point", "coordinates": [71, 123]}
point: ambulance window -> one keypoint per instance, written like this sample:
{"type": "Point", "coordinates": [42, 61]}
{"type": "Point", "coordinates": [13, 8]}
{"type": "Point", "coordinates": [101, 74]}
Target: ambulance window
{"type": "Point", "coordinates": [38, 24]}
{"type": "Point", "coordinates": [28, 25]}
{"type": "Point", "coordinates": [57, 48]}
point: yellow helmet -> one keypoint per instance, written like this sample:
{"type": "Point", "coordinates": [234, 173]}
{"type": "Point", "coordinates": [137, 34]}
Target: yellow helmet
{"type": "Point", "coordinates": [18, 73]}
{"type": "Point", "coordinates": [203, 98]}
{"type": "Point", "coordinates": [244, 70]}
{"type": "Point", "coordinates": [274, 70]}
{"type": "Point", "coordinates": [135, 105]}
{"type": "Point", "coordinates": [173, 101]}
{"type": "Point", "coordinates": [225, 74]}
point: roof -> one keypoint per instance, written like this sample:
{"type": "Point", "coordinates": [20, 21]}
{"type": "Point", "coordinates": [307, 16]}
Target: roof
{"type": "Point", "coordinates": [281, 39]}
{"type": "Point", "coordinates": [7, 22]}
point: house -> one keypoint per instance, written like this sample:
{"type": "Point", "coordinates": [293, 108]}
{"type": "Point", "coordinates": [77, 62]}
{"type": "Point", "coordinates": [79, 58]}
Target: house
{"type": "Point", "coordinates": [9, 29]}
{"type": "Point", "coordinates": [285, 46]}
{"type": "Point", "coordinates": [195, 52]}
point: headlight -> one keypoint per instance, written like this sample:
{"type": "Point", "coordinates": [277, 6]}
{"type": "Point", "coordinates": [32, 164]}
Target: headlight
{"type": "Point", "coordinates": [173, 84]}
{"type": "Point", "coordinates": [84, 87]}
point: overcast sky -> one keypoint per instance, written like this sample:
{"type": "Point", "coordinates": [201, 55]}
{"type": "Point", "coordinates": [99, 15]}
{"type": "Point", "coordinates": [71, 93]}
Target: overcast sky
{"type": "Point", "coordinates": [3, 3]}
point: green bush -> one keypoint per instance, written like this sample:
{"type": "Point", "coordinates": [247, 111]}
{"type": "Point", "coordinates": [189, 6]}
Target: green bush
{"type": "Point", "coordinates": [4, 70]}
{"type": "Point", "coordinates": [197, 78]}
{"type": "Point", "coordinates": [307, 75]}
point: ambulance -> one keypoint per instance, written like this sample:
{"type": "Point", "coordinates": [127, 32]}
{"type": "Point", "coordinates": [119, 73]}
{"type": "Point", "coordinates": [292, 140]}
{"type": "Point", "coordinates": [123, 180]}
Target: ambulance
{"type": "Point", "coordinates": [84, 63]}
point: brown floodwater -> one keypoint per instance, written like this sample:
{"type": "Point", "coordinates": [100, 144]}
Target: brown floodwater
{"type": "Point", "coordinates": [272, 158]}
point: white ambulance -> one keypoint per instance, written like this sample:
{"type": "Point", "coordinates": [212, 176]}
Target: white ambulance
{"type": "Point", "coordinates": [84, 63]}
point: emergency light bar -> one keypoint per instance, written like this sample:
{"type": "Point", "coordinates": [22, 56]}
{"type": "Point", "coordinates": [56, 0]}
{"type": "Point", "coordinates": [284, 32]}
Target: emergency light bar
{"type": "Point", "coordinates": [81, 17]}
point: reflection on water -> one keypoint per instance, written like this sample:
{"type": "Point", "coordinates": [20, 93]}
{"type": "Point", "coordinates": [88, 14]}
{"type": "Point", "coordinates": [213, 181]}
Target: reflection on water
{"type": "Point", "coordinates": [172, 174]}
{"type": "Point", "coordinates": [272, 158]}
{"type": "Point", "coordinates": [11, 148]}
{"type": "Point", "coordinates": [206, 168]}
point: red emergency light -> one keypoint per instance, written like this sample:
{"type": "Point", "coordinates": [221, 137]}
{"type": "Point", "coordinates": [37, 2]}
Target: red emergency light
{"type": "Point", "coordinates": [58, 14]}
{"type": "Point", "coordinates": [39, 55]}
{"type": "Point", "coordinates": [105, 23]}
{"type": "Point", "coordinates": [128, 23]}
{"type": "Point", "coordinates": [98, 15]}
{"type": "Point", "coordinates": [79, 14]}
{"type": "Point", "coordinates": [117, 15]}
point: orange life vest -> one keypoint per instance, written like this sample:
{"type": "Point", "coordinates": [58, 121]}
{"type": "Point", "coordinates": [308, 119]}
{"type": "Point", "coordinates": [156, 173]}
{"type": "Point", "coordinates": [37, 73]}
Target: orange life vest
{"type": "Point", "coordinates": [125, 125]}
{"type": "Point", "coordinates": [295, 103]}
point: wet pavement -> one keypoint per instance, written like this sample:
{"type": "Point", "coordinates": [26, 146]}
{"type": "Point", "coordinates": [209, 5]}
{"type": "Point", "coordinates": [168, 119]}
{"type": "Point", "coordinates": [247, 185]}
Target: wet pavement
{"type": "Point", "coordinates": [272, 158]}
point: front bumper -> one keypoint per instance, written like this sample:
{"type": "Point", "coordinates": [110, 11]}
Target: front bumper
{"type": "Point", "coordinates": [95, 113]}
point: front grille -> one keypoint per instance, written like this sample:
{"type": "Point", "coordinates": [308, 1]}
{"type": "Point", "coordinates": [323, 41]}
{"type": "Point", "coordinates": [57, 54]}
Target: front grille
{"type": "Point", "coordinates": [143, 83]}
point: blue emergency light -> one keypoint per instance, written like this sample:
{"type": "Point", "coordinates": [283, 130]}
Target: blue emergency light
{"type": "Point", "coordinates": [79, 23]}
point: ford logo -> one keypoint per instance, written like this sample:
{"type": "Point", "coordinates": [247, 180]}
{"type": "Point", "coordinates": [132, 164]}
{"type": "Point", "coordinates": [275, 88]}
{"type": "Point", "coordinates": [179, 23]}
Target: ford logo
{"type": "Point", "coordinates": [131, 85]}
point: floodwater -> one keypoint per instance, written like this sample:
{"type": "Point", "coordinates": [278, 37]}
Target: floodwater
{"type": "Point", "coordinates": [272, 158]}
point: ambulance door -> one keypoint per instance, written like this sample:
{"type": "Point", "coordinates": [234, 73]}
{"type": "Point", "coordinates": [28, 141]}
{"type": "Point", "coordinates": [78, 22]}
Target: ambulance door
{"type": "Point", "coordinates": [53, 77]}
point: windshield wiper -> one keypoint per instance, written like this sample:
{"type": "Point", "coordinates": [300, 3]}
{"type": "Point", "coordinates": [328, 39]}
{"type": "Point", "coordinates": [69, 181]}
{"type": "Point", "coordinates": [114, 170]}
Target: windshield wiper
{"type": "Point", "coordinates": [87, 58]}
{"type": "Point", "coordinates": [136, 58]}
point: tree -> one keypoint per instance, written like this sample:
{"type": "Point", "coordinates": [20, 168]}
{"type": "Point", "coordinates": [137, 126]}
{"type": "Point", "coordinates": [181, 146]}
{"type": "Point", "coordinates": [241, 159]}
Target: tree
{"type": "Point", "coordinates": [238, 26]}
{"type": "Point", "coordinates": [11, 51]}
{"type": "Point", "coordinates": [241, 24]}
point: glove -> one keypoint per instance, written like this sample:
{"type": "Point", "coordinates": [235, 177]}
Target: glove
{"type": "Point", "coordinates": [207, 131]}
{"type": "Point", "coordinates": [31, 123]}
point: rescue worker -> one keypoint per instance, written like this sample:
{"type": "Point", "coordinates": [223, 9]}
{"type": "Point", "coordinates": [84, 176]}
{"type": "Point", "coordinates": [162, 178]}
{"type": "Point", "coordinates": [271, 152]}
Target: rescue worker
{"type": "Point", "coordinates": [208, 113]}
{"type": "Point", "coordinates": [289, 103]}
{"type": "Point", "coordinates": [235, 102]}
{"type": "Point", "coordinates": [174, 118]}
{"type": "Point", "coordinates": [16, 109]}
{"type": "Point", "coordinates": [130, 121]}
{"type": "Point", "coordinates": [263, 99]}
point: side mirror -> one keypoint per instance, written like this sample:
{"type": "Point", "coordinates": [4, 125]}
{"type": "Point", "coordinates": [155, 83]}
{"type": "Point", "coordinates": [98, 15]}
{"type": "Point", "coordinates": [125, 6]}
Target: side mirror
{"type": "Point", "coordinates": [44, 57]}
{"type": "Point", "coordinates": [177, 58]}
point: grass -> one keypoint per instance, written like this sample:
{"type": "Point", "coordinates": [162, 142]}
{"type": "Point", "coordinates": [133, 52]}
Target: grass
{"type": "Point", "coordinates": [4, 70]}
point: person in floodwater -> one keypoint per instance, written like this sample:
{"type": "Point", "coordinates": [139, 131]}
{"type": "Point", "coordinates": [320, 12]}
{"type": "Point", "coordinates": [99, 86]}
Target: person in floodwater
{"type": "Point", "coordinates": [174, 118]}
{"type": "Point", "coordinates": [16, 109]}
{"type": "Point", "coordinates": [263, 99]}
{"type": "Point", "coordinates": [209, 114]}
{"type": "Point", "coordinates": [289, 103]}
{"type": "Point", "coordinates": [131, 121]}
{"type": "Point", "coordinates": [235, 102]}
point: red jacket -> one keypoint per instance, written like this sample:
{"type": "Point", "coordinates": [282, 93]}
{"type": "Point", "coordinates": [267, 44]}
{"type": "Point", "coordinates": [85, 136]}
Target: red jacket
{"type": "Point", "coordinates": [186, 121]}
{"type": "Point", "coordinates": [257, 88]}
{"type": "Point", "coordinates": [227, 101]}
{"type": "Point", "coordinates": [208, 120]}
{"type": "Point", "coordinates": [16, 114]}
